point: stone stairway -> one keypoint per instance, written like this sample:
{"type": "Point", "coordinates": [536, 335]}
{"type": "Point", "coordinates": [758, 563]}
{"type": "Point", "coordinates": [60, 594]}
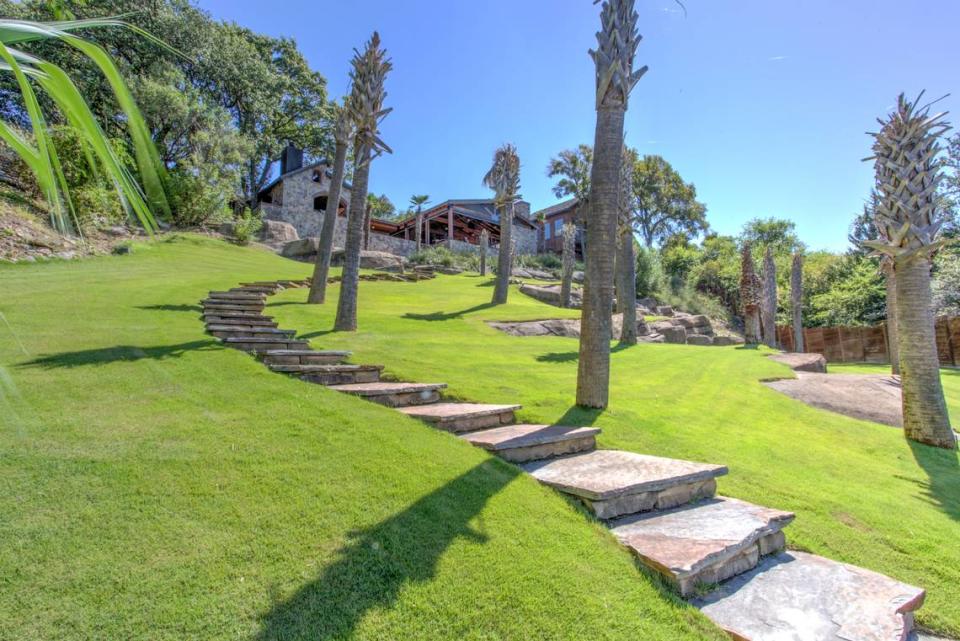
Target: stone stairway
{"type": "Point", "coordinates": [727, 556]}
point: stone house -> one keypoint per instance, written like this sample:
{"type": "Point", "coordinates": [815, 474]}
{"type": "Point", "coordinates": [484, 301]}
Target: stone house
{"type": "Point", "coordinates": [550, 222]}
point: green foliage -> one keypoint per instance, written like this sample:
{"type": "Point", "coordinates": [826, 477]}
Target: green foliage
{"type": "Point", "coordinates": [572, 169]}
{"type": "Point", "coordinates": [649, 272]}
{"type": "Point", "coordinates": [548, 262]}
{"type": "Point", "coordinates": [946, 283]}
{"type": "Point", "coordinates": [856, 295]}
{"type": "Point", "coordinates": [442, 256]}
{"type": "Point", "coordinates": [678, 261]}
{"type": "Point", "coordinates": [380, 206]}
{"type": "Point", "coordinates": [246, 227]}
{"type": "Point", "coordinates": [93, 199]}
{"type": "Point", "coordinates": [664, 204]}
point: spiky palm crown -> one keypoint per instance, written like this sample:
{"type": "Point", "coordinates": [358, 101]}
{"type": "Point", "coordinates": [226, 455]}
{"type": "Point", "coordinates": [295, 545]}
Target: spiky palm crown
{"type": "Point", "coordinates": [343, 127]}
{"type": "Point", "coordinates": [908, 173]}
{"type": "Point", "coordinates": [504, 175]}
{"type": "Point", "coordinates": [367, 94]}
{"type": "Point", "coordinates": [617, 43]}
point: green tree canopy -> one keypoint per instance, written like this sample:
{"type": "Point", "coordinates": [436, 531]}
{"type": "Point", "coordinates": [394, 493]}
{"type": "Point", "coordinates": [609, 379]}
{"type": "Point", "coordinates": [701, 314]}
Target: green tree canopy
{"type": "Point", "coordinates": [665, 205]}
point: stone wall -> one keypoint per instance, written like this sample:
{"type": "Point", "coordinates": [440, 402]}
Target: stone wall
{"type": "Point", "coordinates": [293, 201]}
{"type": "Point", "coordinates": [525, 239]}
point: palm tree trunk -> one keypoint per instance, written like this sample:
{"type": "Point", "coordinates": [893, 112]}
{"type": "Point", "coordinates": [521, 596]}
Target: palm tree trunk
{"type": "Point", "coordinates": [925, 417]}
{"type": "Point", "coordinates": [318, 288]}
{"type": "Point", "coordinates": [505, 261]}
{"type": "Point", "coordinates": [627, 296]}
{"type": "Point", "coordinates": [484, 245]}
{"type": "Point", "coordinates": [796, 301]}
{"type": "Point", "coordinates": [768, 312]}
{"type": "Point", "coordinates": [893, 341]}
{"type": "Point", "coordinates": [347, 304]}
{"type": "Point", "coordinates": [569, 249]}
{"type": "Point", "coordinates": [593, 374]}
{"type": "Point", "coordinates": [366, 227]}
{"type": "Point", "coordinates": [419, 233]}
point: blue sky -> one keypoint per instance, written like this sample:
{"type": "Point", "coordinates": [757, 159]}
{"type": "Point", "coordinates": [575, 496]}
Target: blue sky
{"type": "Point", "coordinates": [763, 105]}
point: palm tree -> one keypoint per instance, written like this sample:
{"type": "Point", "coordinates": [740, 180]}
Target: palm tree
{"type": "Point", "coordinates": [749, 297]}
{"type": "Point", "coordinates": [626, 259]}
{"type": "Point", "coordinates": [342, 133]}
{"type": "Point", "coordinates": [365, 105]}
{"type": "Point", "coordinates": [617, 45]}
{"type": "Point", "coordinates": [573, 167]}
{"type": "Point", "coordinates": [768, 313]}
{"type": "Point", "coordinates": [796, 301]}
{"type": "Point", "coordinates": [419, 201]}
{"type": "Point", "coordinates": [890, 279]}
{"type": "Point", "coordinates": [504, 179]}
{"type": "Point", "coordinates": [569, 258]}
{"type": "Point", "coordinates": [40, 154]}
{"type": "Point", "coordinates": [909, 217]}
{"type": "Point", "coordinates": [484, 246]}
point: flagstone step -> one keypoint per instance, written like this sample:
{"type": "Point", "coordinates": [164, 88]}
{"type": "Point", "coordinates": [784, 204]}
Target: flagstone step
{"type": "Point", "coordinates": [302, 357]}
{"type": "Point", "coordinates": [262, 344]}
{"type": "Point", "coordinates": [704, 542]}
{"type": "Point", "coordinates": [294, 284]}
{"type": "Point", "coordinates": [395, 394]}
{"type": "Point", "coordinates": [227, 331]}
{"type": "Point", "coordinates": [238, 296]}
{"type": "Point", "coordinates": [346, 374]}
{"type": "Point", "coordinates": [262, 283]}
{"type": "Point", "coordinates": [252, 320]}
{"type": "Point", "coordinates": [259, 289]}
{"type": "Point", "coordinates": [463, 417]}
{"type": "Point", "coordinates": [225, 306]}
{"type": "Point", "coordinates": [522, 443]}
{"type": "Point", "coordinates": [613, 483]}
{"type": "Point", "coordinates": [798, 596]}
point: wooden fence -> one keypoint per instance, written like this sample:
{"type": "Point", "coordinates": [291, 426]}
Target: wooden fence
{"type": "Point", "coordinates": [868, 344]}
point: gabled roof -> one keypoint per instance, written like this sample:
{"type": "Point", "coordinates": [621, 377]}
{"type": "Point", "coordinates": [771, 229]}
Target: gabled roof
{"type": "Point", "coordinates": [328, 172]}
{"type": "Point", "coordinates": [559, 208]}
{"type": "Point", "coordinates": [482, 209]}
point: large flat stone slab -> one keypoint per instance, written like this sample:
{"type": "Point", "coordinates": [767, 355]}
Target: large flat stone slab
{"type": "Point", "coordinates": [395, 394]}
{"type": "Point", "coordinates": [871, 397]}
{"type": "Point", "coordinates": [302, 356]}
{"type": "Point", "coordinates": [802, 362]}
{"type": "Point", "coordinates": [521, 443]}
{"type": "Point", "coordinates": [463, 417]}
{"type": "Point", "coordinates": [613, 483]}
{"type": "Point", "coordinates": [703, 542]}
{"type": "Point", "coordinates": [795, 596]}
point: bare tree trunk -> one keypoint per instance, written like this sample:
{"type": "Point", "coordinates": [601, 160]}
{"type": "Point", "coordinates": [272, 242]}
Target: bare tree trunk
{"type": "Point", "coordinates": [505, 260]}
{"type": "Point", "coordinates": [627, 296]}
{"type": "Point", "coordinates": [419, 234]}
{"type": "Point", "coordinates": [796, 301]}
{"type": "Point", "coordinates": [893, 340]}
{"type": "Point", "coordinates": [925, 417]}
{"type": "Point", "coordinates": [769, 301]}
{"type": "Point", "coordinates": [593, 374]}
{"type": "Point", "coordinates": [484, 246]}
{"type": "Point", "coordinates": [318, 288]}
{"type": "Point", "coordinates": [569, 259]}
{"type": "Point", "coordinates": [347, 304]}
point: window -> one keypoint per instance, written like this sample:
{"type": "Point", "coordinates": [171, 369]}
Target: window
{"type": "Point", "coordinates": [558, 227]}
{"type": "Point", "coordinates": [546, 231]}
{"type": "Point", "coordinates": [320, 203]}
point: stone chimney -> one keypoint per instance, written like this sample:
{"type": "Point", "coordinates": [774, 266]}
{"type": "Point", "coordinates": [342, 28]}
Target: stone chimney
{"type": "Point", "coordinates": [291, 159]}
{"type": "Point", "coordinates": [522, 208]}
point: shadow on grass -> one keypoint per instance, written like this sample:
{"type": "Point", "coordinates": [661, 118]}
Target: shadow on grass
{"type": "Point", "coordinates": [173, 308]}
{"type": "Point", "coordinates": [943, 473]}
{"type": "Point", "coordinates": [578, 416]}
{"type": "Point", "coordinates": [753, 346]}
{"type": "Point", "coordinates": [316, 334]}
{"type": "Point", "coordinates": [573, 357]}
{"type": "Point", "coordinates": [445, 316]}
{"type": "Point", "coordinates": [118, 353]}
{"type": "Point", "coordinates": [371, 571]}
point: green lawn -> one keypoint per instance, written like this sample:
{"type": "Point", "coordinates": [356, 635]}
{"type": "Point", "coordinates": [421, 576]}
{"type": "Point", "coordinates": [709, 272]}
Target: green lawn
{"type": "Point", "coordinates": [155, 485]}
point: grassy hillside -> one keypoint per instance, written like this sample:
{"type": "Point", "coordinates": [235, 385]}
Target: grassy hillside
{"type": "Point", "coordinates": [155, 485]}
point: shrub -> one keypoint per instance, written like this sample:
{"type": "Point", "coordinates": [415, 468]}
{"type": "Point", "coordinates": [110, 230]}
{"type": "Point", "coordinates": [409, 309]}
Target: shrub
{"type": "Point", "coordinates": [246, 226]}
{"type": "Point", "coordinates": [649, 272]}
{"type": "Point", "coordinates": [443, 257]}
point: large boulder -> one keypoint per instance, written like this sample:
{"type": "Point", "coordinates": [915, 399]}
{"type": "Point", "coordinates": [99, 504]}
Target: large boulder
{"type": "Point", "coordinates": [727, 340]}
{"type": "Point", "coordinates": [665, 310]}
{"type": "Point", "coordinates": [302, 248]}
{"type": "Point", "coordinates": [649, 303]}
{"type": "Point", "coordinates": [277, 233]}
{"type": "Point", "coordinates": [802, 362]}
{"type": "Point", "coordinates": [699, 339]}
{"type": "Point", "coordinates": [527, 272]}
{"type": "Point", "coordinates": [384, 261]}
{"type": "Point", "coordinates": [551, 294]}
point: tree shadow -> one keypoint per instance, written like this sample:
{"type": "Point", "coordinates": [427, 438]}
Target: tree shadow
{"type": "Point", "coordinates": [572, 357]}
{"type": "Point", "coordinates": [118, 353]}
{"type": "Point", "coordinates": [316, 334]}
{"type": "Point", "coordinates": [943, 477]}
{"type": "Point", "coordinates": [579, 416]}
{"type": "Point", "coordinates": [753, 346]}
{"type": "Point", "coordinates": [373, 568]}
{"type": "Point", "coordinates": [445, 316]}
{"type": "Point", "coordinates": [172, 308]}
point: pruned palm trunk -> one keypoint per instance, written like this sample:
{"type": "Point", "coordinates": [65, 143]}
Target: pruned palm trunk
{"type": "Point", "coordinates": [569, 259]}
{"type": "Point", "coordinates": [796, 301]}
{"type": "Point", "coordinates": [505, 259]}
{"type": "Point", "coordinates": [769, 300]}
{"type": "Point", "coordinates": [627, 297]}
{"type": "Point", "coordinates": [350, 281]}
{"type": "Point", "coordinates": [893, 341]}
{"type": "Point", "coordinates": [419, 234]}
{"type": "Point", "coordinates": [484, 247]}
{"type": "Point", "coordinates": [615, 79]}
{"type": "Point", "coordinates": [318, 288]}
{"type": "Point", "coordinates": [908, 217]}
{"type": "Point", "coordinates": [749, 297]}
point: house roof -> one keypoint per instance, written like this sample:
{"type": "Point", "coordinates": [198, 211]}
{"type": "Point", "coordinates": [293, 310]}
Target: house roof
{"type": "Point", "coordinates": [324, 162]}
{"type": "Point", "coordinates": [554, 210]}
{"type": "Point", "coordinates": [482, 209]}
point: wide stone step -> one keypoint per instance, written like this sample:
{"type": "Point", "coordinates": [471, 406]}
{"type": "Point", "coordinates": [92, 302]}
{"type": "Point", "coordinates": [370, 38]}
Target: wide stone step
{"type": "Point", "coordinates": [302, 357]}
{"type": "Point", "coordinates": [238, 296]}
{"type": "Point", "coordinates": [226, 306]}
{"type": "Point", "coordinates": [262, 344]}
{"type": "Point", "coordinates": [293, 284]}
{"type": "Point", "coordinates": [263, 283]}
{"type": "Point", "coordinates": [705, 542]}
{"type": "Point", "coordinates": [395, 394]}
{"type": "Point", "coordinates": [521, 443]}
{"type": "Point", "coordinates": [227, 331]}
{"type": "Point", "coordinates": [244, 320]}
{"type": "Point", "coordinates": [801, 596]}
{"type": "Point", "coordinates": [612, 483]}
{"type": "Point", "coordinates": [258, 289]}
{"type": "Point", "coordinates": [341, 374]}
{"type": "Point", "coordinates": [464, 417]}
